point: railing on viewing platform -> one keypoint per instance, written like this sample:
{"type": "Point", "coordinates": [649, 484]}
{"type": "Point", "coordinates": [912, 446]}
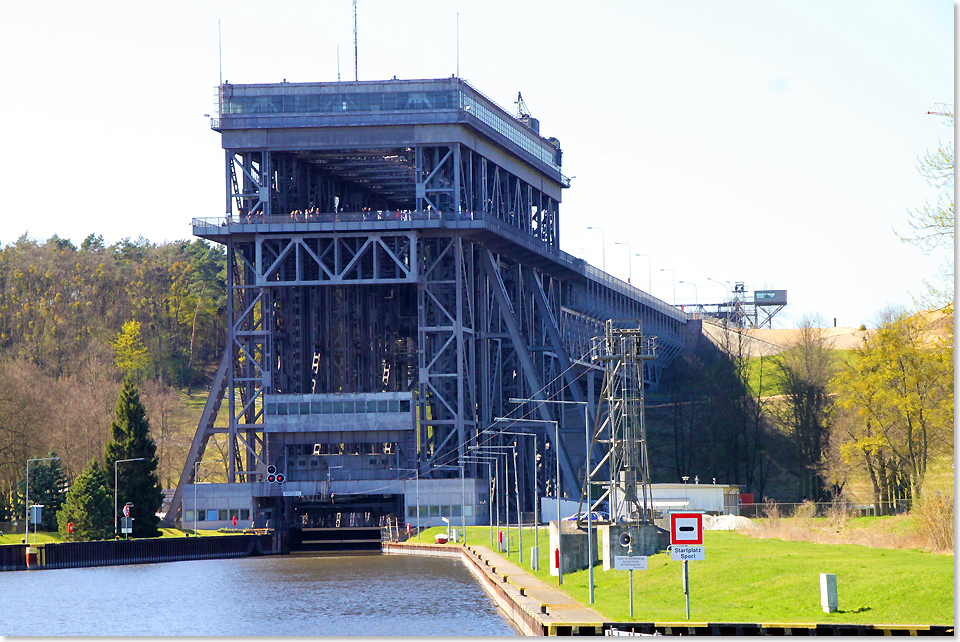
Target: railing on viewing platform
{"type": "Point", "coordinates": [337, 217]}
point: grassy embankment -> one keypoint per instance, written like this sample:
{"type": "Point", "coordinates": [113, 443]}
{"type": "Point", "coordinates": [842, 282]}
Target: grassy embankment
{"type": "Point", "coordinates": [54, 537]}
{"type": "Point", "coordinates": [767, 581]}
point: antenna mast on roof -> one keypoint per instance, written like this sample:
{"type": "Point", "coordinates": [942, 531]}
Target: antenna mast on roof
{"type": "Point", "coordinates": [522, 109]}
{"type": "Point", "coordinates": [356, 75]}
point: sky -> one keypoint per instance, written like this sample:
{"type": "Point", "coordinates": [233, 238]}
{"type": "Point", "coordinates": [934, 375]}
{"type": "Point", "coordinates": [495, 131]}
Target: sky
{"type": "Point", "coordinates": [766, 142]}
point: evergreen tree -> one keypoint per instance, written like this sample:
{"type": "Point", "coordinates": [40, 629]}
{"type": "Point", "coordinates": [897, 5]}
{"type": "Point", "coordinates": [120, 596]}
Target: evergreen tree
{"type": "Point", "coordinates": [138, 481]}
{"type": "Point", "coordinates": [88, 506]}
{"type": "Point", "coordinates": [48, 487]}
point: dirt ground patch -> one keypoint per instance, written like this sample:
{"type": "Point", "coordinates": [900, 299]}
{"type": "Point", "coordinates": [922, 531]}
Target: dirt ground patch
{"type": "Point", "coordinates": [895, 532]}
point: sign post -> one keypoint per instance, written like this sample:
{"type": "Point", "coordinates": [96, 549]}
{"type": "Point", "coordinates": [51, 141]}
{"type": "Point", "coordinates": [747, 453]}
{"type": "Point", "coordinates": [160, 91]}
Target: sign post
{"type": "Point", "coordinates": [630, 563]}
{"type": "Point", "coordinates": [126, 524]}
{"type": "Point", "coordinates": [686, 543]}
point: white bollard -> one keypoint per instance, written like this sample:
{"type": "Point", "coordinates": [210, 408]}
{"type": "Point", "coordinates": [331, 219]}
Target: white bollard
{"type": "Point", "coordinates": [534, 558]}
{"type": "Point", "coordinates": [828, 592]}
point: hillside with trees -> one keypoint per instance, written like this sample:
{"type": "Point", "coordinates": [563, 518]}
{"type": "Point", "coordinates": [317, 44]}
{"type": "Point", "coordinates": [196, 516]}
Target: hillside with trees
{"type": "Point", "coordinates": [74, 321]}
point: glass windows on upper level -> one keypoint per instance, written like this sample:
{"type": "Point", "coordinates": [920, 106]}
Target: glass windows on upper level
{"type": "Point", "coordinates": [333, 103]}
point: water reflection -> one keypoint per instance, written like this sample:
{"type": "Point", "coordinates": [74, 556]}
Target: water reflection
{"type": "Point", "coordinates": [270, 596]}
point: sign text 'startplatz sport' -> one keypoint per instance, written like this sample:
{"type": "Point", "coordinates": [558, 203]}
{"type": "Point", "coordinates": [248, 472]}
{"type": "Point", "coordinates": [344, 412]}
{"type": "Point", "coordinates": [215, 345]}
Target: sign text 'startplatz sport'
{"type": "Point", "coordinates": [686, 537]}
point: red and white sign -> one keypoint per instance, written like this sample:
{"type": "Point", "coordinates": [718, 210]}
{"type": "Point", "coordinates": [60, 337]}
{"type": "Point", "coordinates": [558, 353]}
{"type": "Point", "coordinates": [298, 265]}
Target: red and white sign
{"type": "Point", "coordinates": [686, 528]}
{"type": "Point", "coordinates": [126, 511]}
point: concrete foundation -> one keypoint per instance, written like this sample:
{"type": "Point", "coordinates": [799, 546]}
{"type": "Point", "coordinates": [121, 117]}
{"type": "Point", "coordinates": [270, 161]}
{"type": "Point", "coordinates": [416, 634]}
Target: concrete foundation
{"type": "Point", "coordinates": [645, 539]}
{"type": "Point", "coordinates": [574, 549]}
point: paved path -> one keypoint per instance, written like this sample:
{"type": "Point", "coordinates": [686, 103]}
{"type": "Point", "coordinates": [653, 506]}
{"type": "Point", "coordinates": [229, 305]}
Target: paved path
{"type": "Point", "coordinates": [561, 608]}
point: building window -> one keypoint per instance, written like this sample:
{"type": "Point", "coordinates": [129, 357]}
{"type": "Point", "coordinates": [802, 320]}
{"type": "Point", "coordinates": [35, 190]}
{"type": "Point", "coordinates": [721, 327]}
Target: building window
{"type": "Point", "coordinates": [211, 515]}
{"type": "Point", "coordinates": [434, 511]}
{"type": "Point", "coordinates": [188, 516]}
{"type": "Point", "coordinates": [222, 515]}
{"type": "Point", "coordinates": [455, 510]}
{"type": "Point", "coordinates": [234, 513]}
{"type": "Point", "coordinates": [244, 513]}
{"type": "Point", "coordinates": [444, 511]}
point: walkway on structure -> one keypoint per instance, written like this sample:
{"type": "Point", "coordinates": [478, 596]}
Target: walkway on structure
{"type": "Point", "coordinates": [561, 609]}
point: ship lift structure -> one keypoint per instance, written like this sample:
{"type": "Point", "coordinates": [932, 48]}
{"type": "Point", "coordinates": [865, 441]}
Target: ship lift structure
{"type": "Point", "coordinates": [394, 277]}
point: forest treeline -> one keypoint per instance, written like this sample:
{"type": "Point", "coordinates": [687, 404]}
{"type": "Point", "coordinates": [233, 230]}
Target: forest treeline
{"type": "Point", "coordinates": [811, 422]}
{"type": "Point", "coordinates": [62, 310]}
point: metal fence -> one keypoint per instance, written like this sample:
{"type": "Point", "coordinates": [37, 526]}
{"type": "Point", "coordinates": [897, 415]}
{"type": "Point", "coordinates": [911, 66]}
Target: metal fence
{"type": "Point", "coordinates": [820, 509]}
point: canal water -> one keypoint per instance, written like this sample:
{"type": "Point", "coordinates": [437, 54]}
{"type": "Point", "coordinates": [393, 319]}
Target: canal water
{"type": "Point", "coordinates": [376, 595]}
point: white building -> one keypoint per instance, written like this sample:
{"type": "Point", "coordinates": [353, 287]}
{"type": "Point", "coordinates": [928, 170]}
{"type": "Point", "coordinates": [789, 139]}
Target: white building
{"type": "Point", "coordinates": [721, 499]}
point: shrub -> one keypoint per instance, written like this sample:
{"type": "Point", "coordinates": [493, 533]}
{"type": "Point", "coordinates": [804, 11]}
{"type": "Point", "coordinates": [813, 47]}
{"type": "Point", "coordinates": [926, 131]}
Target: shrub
{"type": "Point", "coordinates": [934, 518]}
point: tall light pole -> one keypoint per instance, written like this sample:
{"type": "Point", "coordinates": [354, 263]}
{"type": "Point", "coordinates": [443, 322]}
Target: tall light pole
{"type": "Point", "coordinates": [196, 466]}
{"type": "Point", "coordinates": [26, 499]}
{"type": "Point", "coordinates": [696, 294]}
{"type": "Point", "coordinates": [516, 487]}
{"type": "Point", "coordinates": [629, 258]}
{"type": "Point", "coordinates": [535, 562]}
{"type": "Point", "coordinates": [488, 463]}
{"type": "Point", "coordinates": [649, 270]}
{"type": "Point", "coordinates": [556, 448]}
{"type": "Point", "coordinates": [116, 489]}
{"type": "Point", "coordinates": [603, 246]}
{"type": "Point", "coordinates": [723, 284]}
{"type": "Point", "coordinates": [417, 471]}
{"type": "Point", "coordinates": [586, 429]}
{"type": "Point", "coordinates": [674, 283]}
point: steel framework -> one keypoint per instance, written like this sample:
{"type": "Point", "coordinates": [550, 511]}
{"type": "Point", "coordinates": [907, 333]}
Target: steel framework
{"type": "Point", "coordinates": [402, 237]}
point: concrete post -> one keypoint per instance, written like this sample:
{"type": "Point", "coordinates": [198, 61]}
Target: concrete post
{"type": "Point", "coordinates": [828, 592]}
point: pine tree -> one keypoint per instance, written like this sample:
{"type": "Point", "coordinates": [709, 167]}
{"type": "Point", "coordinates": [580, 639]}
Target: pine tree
{"type": "Point", "coordinates": [138, 481]}
{"type": "Point", "coordinates": [88, 506]}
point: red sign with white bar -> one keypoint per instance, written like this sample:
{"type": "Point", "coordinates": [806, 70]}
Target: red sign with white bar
{"type": "Point", "coordinates": [686, 528]}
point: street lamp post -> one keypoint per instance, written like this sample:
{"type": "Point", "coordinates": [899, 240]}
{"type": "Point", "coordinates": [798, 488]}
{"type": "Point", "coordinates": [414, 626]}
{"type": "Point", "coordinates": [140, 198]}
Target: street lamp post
{"type": "Point", "coordinates": [535, 562]}
{"type": "Point", "coordinates": [26, 500]}
{"type": "Point", "coordinates": [556, 447]}
{"type": "Point", "coordinates": [586, 429]}
{"type": "Point", "coordinates": [516, 487]}
{"type": "Point", "coordinates": [116, 490]}
{"type": "Point", "coordinates": [723, 284]}
{"type": "Point", "coordinates": [196, 467]}
{"type": "Point", "coordinates": [488, 464]}
{"type": "Point", "coordinates": [726, 301]}
{"type": "Point", "coordinates": [649, 270]}
{"type": "Point", "coordinates": [696, 293]}
{"type": "Point", "coordinates": [417, 471]}
{"type": "Point", "coordinates": [674, 283]}
{"type": "Point", "coordinates": [603, 246]}
{"type": "Point", "coordinates": [629, 259]}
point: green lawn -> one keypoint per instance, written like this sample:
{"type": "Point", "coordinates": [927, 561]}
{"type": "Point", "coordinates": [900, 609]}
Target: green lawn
{"type": "Point", "coordinates": [765, 581]}
{"type": "Point", "coordinates": [45, 537]}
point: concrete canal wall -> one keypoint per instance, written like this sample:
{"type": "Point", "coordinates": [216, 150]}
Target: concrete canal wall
{"type": "Point", "coordinates": [527, 614]}
{"type": "Point", "coordinates": [140, 551]}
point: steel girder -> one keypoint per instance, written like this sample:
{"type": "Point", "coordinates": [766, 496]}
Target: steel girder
{"type": "Point", "coordinates": [432, 312]}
